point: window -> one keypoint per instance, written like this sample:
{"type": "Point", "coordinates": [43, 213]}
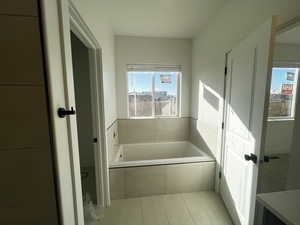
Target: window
{"type": "Point", "coordinates": [153, 94]}
{"type": "Point", "coordinates": [283, 93]}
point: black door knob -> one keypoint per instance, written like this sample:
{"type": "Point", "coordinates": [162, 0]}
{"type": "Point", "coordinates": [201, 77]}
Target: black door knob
{"type": "Point", "coordinates": [62, 112]}
{"type": "Point", "coordinates": [251, 157]}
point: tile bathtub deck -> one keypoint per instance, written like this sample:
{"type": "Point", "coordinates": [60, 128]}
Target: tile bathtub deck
{"type": "Point", "coordinates": [198, 208]}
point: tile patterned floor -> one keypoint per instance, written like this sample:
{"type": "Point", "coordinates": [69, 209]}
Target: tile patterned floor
{"type": "Point", "coordinates": [199, 208]}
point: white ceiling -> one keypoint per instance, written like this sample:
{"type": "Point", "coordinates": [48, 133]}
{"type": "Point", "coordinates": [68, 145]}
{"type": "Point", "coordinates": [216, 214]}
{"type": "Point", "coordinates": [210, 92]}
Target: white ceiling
{"type": "Point", "coordinates": [289, 37]}
{"type": "Point", "coordinates": [159, 18]}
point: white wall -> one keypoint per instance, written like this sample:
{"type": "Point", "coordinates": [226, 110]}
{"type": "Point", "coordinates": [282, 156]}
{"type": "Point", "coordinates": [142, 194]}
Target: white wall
{"type": "Point", "coordinates": [287, 52]}
{"type": "Point", "coordinates": [140, 50]}
{"type": "Point", "coordinates": [279, 137]}
{"type": "Point", "coordinates": [293, 181]}
{"type": "Point", "coordinates": [99, 25]}
{"type": "Point", "coordinates": [232, 24]}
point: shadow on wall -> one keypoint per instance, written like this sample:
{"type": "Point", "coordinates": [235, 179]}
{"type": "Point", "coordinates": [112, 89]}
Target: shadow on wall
{"type": "Point", "coordinates": [206, 121]}
{"type": "Point", "coordinates": [197, 139]}
{"type": "Point", "coordinates": [211, 98]}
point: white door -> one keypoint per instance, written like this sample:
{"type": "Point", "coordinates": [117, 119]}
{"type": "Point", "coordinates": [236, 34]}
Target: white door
{"type": "Point", "coordinates": [249, 69]}
{"type": "Point", "coordinates": [56, 27]}
{"type": "Point", "coordinates": [58, 98]}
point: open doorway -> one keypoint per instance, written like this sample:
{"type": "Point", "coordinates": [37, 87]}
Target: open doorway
{"type": "Point", "coordinates": [276, 167]}
{"type": "Point", "coordinates": [85, 64]}
{"type": "Point", "coordinates": [279, 163]}
{"type": "Point", "coordinates": [85, 119]}
{"type": "Point", "coordinates": [280, 125]}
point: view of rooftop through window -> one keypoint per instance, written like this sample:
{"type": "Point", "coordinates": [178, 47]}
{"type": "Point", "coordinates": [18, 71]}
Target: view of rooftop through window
{"type": "Point", "coordinates": [283, 92]}
{"type": "Point", "coordinates": [152, 94]}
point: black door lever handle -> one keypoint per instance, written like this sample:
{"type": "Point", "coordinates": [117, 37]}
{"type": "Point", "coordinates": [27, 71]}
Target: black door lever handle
{"type": "Point", "coordinates": [251, 157]}
{"type": "Point", "coordinates": [268, 158]}
{"type": "Point", "coordinates": [62, 112]}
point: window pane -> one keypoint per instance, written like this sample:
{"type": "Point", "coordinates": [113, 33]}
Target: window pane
{"type": "Point", "coordinates": [165, 96]}
{"type": "Point", "coordinates": [283, 86]}
{"type": "Point", "coordinates": [140, 94]}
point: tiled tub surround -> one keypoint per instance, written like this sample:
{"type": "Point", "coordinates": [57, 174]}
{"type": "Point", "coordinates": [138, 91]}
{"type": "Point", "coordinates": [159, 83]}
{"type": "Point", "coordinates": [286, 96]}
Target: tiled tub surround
{"type": "Point", "coordinates": [112, 140]}
{"type": "Point", "coordinates": [153, 130]}
{"type": "Point", "coordinates": [150, 154]}
{"type": "Point", "coordinates": [174, 167]}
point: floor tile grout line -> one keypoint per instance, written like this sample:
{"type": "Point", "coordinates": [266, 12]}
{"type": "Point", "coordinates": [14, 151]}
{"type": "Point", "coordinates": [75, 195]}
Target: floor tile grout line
{"type": "Point", "coordinates": [142, 211]}
{"type": "Point", "coordinates": [165, 210]}
{"type": "Point", "coordinates": [187, 208]}
{"type": "Point", "coordinates": [162, 206]}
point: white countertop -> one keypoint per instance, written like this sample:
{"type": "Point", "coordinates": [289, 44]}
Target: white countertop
{"type": "Point", "coordinates": [285, 205]}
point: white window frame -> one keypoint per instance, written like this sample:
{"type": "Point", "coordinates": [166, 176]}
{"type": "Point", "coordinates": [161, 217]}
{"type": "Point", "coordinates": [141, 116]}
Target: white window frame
{"type": "Point", "coordinates": [178, 95]}
{"type": "Point", "coordinates": [288, 65]}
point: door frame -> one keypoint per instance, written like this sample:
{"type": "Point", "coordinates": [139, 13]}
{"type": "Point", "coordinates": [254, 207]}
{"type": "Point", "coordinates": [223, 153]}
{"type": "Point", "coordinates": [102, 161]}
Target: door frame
{"type": "Point", "coordinates": [294, 22]}
{"type": "Point", "coordinates": [224, 116]}
{"type": "Point", "coordinates": [82, 31]}
{"type": "Point", "coordinates": [59, 18]}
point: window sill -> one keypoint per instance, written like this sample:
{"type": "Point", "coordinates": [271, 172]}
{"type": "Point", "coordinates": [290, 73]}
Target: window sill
{"type": "Point", "coordinates": [274, 119]}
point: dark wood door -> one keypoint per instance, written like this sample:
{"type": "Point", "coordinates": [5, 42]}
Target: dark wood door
{"type": "Point", "coordinates": [27, 184]}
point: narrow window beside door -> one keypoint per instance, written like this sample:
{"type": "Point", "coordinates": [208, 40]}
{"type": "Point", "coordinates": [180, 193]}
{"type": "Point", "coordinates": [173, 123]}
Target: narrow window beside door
{"type": "Point", "coordinates": [283, 93]}
{"type": "Point", "coordinates": [153, 94]}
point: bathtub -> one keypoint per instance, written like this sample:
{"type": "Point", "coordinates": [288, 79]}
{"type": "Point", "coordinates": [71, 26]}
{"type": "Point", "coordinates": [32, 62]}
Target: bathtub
{"type": "Point", "coordinates": [151, 154]}
{"type": "Point", "coordinates": [147, 169]}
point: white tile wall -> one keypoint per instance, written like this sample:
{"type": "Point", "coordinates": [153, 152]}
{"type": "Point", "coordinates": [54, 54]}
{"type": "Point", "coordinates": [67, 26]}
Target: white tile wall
{"type": "Point", "coordinates": [190, 177]}
{"type": "Point", "coordinates": [143, 181]}
{"type": "Point", "coordinates": [202, 134]}
{"type": "Point", "coordinates": [167, 179]}
{"type": "Point", "coordinates": [153, 130]}
{"type": "Point", "coordinates": [117, 183]}
{"type": "Point", "coordinates": [112, 141]}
